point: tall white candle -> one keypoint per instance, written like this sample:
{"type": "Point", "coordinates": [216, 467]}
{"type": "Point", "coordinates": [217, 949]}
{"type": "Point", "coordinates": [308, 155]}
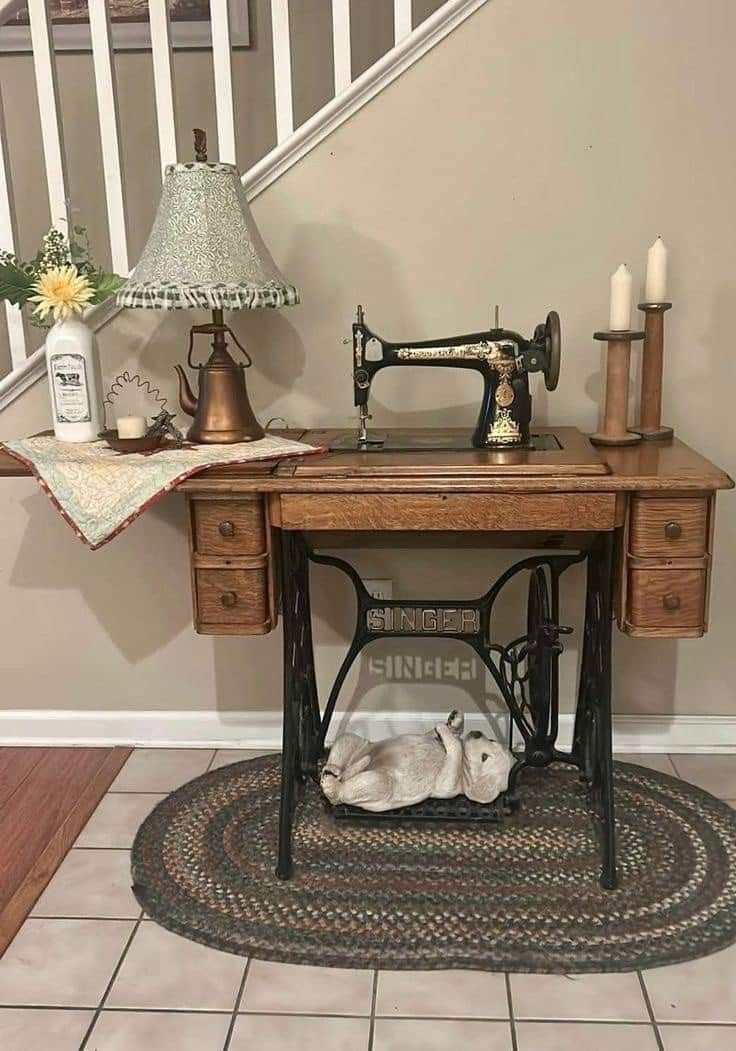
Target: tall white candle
{"type": "Point", "coordinates": [655, 286]}
{"type": "Point", "coordinates": [620, 317]}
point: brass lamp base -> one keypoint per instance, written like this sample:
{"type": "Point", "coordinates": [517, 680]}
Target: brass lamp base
{"type": "Point", "coordinates": [222, 412]}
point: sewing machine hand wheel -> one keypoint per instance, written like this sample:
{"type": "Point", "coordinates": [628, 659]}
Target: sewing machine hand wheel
{"type": "Point", "coordinates": [553, 345]}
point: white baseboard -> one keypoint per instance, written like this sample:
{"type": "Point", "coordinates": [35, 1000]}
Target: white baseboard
{"type": "Point", "coordinates": [262, 729]}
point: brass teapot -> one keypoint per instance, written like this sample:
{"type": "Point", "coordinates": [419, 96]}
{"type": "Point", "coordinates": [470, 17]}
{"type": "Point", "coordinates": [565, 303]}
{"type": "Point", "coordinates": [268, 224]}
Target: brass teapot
{"type": "Point", "coordinates": [222, 411]}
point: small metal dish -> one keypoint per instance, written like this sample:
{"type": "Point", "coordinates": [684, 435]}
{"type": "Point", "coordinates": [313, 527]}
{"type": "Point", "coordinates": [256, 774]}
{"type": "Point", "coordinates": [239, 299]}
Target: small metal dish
{"type": "Point", "coordinates": [146, 444]}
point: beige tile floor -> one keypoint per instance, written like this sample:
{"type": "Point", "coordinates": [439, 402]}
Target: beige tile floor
{"type": "Point", "coordinates": [87, 972]}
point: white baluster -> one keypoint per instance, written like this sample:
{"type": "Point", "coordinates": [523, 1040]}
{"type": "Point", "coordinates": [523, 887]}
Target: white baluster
{"type": "Point", "coordinates": [282, 69]}
{"type": "Point", "coordinates": [109, 118]}
{"type": "Point", "coordinates": [163, 80]}
{"type": "Point", "coordinates": [48, 104]}
{"type": "Point", "coordinates": [9, 241]}
{"type": "Point", "coordinates": [341, 44]}
{"type": "Point", "coordinates": [222, 63]}
{"type": "Point", "coordinates": [402, 19]}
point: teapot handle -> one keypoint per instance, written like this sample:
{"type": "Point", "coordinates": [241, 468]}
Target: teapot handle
{"type": "Point", "coordinates": [239, 345]}
{"type": "Point", "coordinates": [211, 329]}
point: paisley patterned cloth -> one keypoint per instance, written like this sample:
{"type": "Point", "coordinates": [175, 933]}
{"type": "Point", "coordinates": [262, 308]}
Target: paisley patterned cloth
{"type": "Point", "coordinates": [100, 492]}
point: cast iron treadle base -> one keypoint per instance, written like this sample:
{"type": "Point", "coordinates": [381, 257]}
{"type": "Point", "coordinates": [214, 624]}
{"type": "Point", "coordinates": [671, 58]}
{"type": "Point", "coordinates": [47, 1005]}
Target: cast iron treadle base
{"type": "Point", "coordinates": [525, 672]}
{"type": "Point", "coordinates": [459, 809]}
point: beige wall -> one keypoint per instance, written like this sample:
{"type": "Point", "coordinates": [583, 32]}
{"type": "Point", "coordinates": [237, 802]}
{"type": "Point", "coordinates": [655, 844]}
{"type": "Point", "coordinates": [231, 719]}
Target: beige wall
{"type": "Point", "coordinates": [519, 163]}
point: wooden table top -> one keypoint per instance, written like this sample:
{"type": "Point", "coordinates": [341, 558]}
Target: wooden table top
{"type": "Point", "coordinates": [578, 466]}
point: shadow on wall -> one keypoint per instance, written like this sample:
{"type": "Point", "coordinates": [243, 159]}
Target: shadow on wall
{"type": "Point", "coordinates": [124, 576]}
{"type": "Point", "coordinates": [645, 675]}
{"type": "Point", "coordinates": [439, 675]}
{"type": "Point", "coordinates": [247, 674]}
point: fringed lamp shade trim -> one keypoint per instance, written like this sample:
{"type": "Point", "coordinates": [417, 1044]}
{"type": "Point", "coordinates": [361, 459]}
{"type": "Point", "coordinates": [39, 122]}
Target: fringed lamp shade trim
{"type": "Point", "coordinates": [175, 296]}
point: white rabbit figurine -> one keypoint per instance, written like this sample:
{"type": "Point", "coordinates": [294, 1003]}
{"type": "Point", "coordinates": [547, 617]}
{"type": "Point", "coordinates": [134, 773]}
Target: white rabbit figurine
{"type": "Point", "coordinates": [401, 771]}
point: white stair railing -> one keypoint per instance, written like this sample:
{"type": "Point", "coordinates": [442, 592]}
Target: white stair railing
{"type": "Point", "coordinates": [291, 144]}
{"type": "Point", "coordinates": [281, 36]}
{"type": "Point", "coordinates": [222, 61]}
{"type": "Point", "coordinates": [107, 112]}
{"type": "Point", "coordinates": [341, 46]}
{"type": "Point", "coordinates": [9, 241]}
{"type": "Point", "coordinates": [163, 81]}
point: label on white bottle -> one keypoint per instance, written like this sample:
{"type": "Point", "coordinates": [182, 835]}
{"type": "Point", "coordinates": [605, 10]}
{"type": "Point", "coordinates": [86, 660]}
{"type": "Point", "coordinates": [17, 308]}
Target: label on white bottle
{"type": "Point", "coordinates": [69, 386]}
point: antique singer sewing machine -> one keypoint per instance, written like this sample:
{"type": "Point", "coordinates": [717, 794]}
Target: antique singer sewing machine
{"type": "Point", "coordinates": [638, 519]}
{"type": "Point", "coordinates": [503, 358]}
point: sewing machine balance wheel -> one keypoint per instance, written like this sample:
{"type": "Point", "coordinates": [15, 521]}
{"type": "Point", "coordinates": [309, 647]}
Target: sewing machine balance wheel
{"type": "Point", "coordinates": [553, 341]}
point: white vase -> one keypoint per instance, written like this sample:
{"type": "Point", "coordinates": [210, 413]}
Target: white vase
{"type": "Point", "coordinates": [75, 385]}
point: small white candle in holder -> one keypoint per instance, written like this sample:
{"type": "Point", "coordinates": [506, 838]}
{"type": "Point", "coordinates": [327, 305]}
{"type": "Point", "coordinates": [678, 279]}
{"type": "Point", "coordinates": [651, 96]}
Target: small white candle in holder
{"type": "Point", "coordinates": [131, 426]}
{"type": "Point", "coordinates": [620, 316]}
{"type": "Point", "coordinates": [655, 286]}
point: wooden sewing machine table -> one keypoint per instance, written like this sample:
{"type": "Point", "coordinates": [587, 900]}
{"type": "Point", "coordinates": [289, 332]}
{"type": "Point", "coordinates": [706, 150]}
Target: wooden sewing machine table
{"type": "Point", "coordinates": [641, 518]}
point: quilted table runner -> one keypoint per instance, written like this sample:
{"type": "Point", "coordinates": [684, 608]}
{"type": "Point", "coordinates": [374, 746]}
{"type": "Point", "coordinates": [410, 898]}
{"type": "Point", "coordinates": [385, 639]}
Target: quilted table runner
{"type": "Point", "coordinates": [100, 492]}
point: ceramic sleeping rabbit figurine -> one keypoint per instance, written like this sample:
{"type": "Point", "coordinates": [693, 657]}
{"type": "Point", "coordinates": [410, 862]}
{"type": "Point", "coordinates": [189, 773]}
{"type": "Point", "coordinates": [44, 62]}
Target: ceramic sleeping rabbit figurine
{"type": "Point", "coordinates": [401, 771]}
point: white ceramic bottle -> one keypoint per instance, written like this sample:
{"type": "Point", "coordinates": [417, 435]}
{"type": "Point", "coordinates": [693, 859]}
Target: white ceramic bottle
{"type": "Point", "coordinates": [75, 384]}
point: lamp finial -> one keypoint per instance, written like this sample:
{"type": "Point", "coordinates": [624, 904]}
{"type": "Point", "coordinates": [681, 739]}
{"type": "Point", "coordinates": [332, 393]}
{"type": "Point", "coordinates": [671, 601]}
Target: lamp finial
{"type": "Point", "coordinates": [200, 144]}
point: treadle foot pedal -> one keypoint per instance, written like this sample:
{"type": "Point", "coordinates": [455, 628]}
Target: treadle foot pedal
{"type": "Point", "coordinates": [460, 810]}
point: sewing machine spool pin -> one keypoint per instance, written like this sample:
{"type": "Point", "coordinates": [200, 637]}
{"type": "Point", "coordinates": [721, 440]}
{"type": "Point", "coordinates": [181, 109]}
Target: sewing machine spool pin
{"type": "Point", "coordinates": [504, 359]}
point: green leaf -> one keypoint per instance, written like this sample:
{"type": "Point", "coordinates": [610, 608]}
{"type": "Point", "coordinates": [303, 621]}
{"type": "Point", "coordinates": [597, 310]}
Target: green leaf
{"type": "Point", "coordinates": [16, 286]}
{"type": "Point", "coordinates": [105, 285]}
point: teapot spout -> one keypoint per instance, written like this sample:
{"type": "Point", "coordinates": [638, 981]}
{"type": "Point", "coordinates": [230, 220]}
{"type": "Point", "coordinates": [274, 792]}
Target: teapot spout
{"type": "Point", "coordinates": [186, 397]}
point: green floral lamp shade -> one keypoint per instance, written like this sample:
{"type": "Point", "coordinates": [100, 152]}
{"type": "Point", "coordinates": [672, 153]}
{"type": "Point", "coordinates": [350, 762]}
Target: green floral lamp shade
{"type": "Point", "coordinates": [204, 249]}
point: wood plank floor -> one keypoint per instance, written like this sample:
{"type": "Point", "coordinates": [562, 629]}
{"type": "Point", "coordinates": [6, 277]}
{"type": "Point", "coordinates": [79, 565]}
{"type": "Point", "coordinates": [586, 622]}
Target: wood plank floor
{"type": "Point", "coordinates": [46, 797]}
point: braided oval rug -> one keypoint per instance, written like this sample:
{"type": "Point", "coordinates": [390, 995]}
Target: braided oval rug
{"type": "Point", "coordinates": [519, 897]}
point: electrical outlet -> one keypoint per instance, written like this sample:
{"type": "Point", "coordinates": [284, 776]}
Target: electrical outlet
{"type": "Point", "coordinates": [383, 588]}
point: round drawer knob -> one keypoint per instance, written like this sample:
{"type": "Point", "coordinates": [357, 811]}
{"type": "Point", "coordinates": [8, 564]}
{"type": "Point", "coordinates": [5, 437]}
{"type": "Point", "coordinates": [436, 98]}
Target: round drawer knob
{"type": "Point", "coordinates": [228, 599]}
{"type": "Point", "coordinates": [671, 601]}
{"type": "Point", "coordinates": [226, 529]}
{"type": "Point", "coordinates": [673, 530]}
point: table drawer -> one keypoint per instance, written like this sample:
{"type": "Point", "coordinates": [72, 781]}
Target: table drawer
{"type": "Point", "coordinates": [577, 512]}
{"type": "Point", "coordinates": [667, 598]}
{"type": "Point", "coordinates": [669, 528]}
{"type": "Point", "coordinates": [232, 601]}
{"type": "Point", "coordinates": [229, 527]}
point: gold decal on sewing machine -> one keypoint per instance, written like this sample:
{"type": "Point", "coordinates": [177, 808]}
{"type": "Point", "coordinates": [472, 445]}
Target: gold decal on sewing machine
{"type": "Point", "coordinates": [423, 620]}
{"type": "Point", "coordinates": [485, 350]}
{"type": "Point", "coordinates": [504, 393]}
{"type": "Point", "coordinates": [505, 429]}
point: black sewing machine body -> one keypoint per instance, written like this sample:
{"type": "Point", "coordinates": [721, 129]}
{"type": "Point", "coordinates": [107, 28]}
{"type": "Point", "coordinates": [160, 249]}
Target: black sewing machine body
{"type": "Point", "coordinates": [504, 359]}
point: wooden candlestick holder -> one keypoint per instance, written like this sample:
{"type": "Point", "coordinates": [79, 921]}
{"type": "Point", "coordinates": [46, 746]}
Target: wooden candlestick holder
{"type": "Point", "coordinates": [650, 417]}
{"type": "Point", "coordinates": [618, 366]}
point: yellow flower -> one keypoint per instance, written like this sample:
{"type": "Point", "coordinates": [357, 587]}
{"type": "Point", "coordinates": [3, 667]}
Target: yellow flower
{"type": "Point", "coordinates": [62, 291]}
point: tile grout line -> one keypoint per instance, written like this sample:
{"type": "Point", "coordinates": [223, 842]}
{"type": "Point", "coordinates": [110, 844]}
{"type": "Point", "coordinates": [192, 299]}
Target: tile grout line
{"type": "Point", "coordinates": [372, 1023]}
{"type": "Point", "coordinates": [512, 1020]}
{"type": "Point", "coordinates": [108, 987]}
{"type": "Point", "coordinates": [97, 919]}
{"type": "Point", "coordinates": [207, 770]}
{"type": "Point", "coordinates": [650, 1010]}
{"type": "Point", "coordinates": [86, 846]}
{"type": "Point", "coordinates": [236, 1008]}
{"type": "Point", "coordinates": [223, 1012]}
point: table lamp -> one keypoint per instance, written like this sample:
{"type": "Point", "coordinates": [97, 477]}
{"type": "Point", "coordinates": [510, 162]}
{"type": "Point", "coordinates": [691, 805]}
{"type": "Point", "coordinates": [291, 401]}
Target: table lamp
{"type": "Point", "coordinates": [204, 250]}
